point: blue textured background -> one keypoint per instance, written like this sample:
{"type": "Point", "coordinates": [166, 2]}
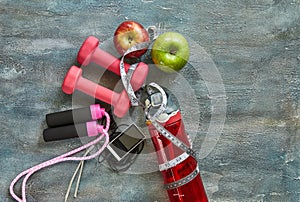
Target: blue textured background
{"type": "Point", "coordinates": [254, 44]}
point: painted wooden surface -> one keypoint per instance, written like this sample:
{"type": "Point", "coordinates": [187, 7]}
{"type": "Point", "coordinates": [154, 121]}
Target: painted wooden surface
{"type": "Point", "coordinates": [255, 46]}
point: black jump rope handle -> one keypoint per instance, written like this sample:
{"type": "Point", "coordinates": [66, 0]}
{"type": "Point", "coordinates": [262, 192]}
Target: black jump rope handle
{"type": "Point", "coordinates": [65, 132]}
{"type": "Point", "coordinates": [80, 115]}
{"type": "Point", "coordinates": [68, 117]}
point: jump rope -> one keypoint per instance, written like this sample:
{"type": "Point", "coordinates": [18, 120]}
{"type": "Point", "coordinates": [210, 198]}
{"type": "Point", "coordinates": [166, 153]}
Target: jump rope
{"type": "Point", "coordinates": [103, 131]}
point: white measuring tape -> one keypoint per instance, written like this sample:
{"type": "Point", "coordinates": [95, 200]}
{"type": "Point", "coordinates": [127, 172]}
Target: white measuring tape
{"type": "Point", "coordinates": [173, 162]}
{"type": "Point", "coordinates": [126, 77]}
{"type": "Point", "coordinates": [187, 150]}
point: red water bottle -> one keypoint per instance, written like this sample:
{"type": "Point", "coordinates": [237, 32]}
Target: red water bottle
{"type": "Point", "coordinates": [179, 169]}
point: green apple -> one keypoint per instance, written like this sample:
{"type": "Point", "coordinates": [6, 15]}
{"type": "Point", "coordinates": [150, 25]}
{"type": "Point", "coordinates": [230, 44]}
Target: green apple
{"type": "Point", "coordinates": [170, 52]}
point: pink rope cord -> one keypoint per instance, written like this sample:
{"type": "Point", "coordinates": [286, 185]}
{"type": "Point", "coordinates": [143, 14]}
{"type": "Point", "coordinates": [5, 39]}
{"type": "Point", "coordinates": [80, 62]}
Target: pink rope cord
{"type": "Point", "coordinates": [62, 158]}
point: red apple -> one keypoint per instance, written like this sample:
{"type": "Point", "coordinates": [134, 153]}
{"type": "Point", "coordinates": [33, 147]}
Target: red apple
{"type": "Point", "coordinates": [128, 34]}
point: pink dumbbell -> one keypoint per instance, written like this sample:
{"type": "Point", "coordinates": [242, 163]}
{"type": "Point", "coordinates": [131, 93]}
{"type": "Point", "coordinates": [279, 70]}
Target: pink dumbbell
{"type": "Point", "coordinates": [74, 80]}
{"type": "Point", "coordinates": [90, 52]}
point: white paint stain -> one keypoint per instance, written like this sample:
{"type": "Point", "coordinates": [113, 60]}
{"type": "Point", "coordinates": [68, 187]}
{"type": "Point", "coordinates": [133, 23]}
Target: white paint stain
{"type": "Point", "coordinates": [9, 74]}
{"type": "Point", "coordinates": [211, 185]}
{"type": "Point", "coordinates": [37, 46]}
{"type": "Point", "coordinates": [44, 44]}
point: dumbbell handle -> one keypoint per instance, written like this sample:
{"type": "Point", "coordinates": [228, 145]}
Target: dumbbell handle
{"type": "Point", "coordinates": [71, 131]}
{"type": "Point", "coordinates": [80, 115]}
{"type": "Point", "coordinates": [108, 61]}
{"type": "Point", "coordinates": [97, 91]}
{"type": "Point", "coordinates": [74, 80]}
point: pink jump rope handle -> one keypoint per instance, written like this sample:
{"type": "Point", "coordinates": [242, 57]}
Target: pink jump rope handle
{"type": "Point", "coordinates": [74, 80]}
{"type": "Point", "coordinates": [90, 52]}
